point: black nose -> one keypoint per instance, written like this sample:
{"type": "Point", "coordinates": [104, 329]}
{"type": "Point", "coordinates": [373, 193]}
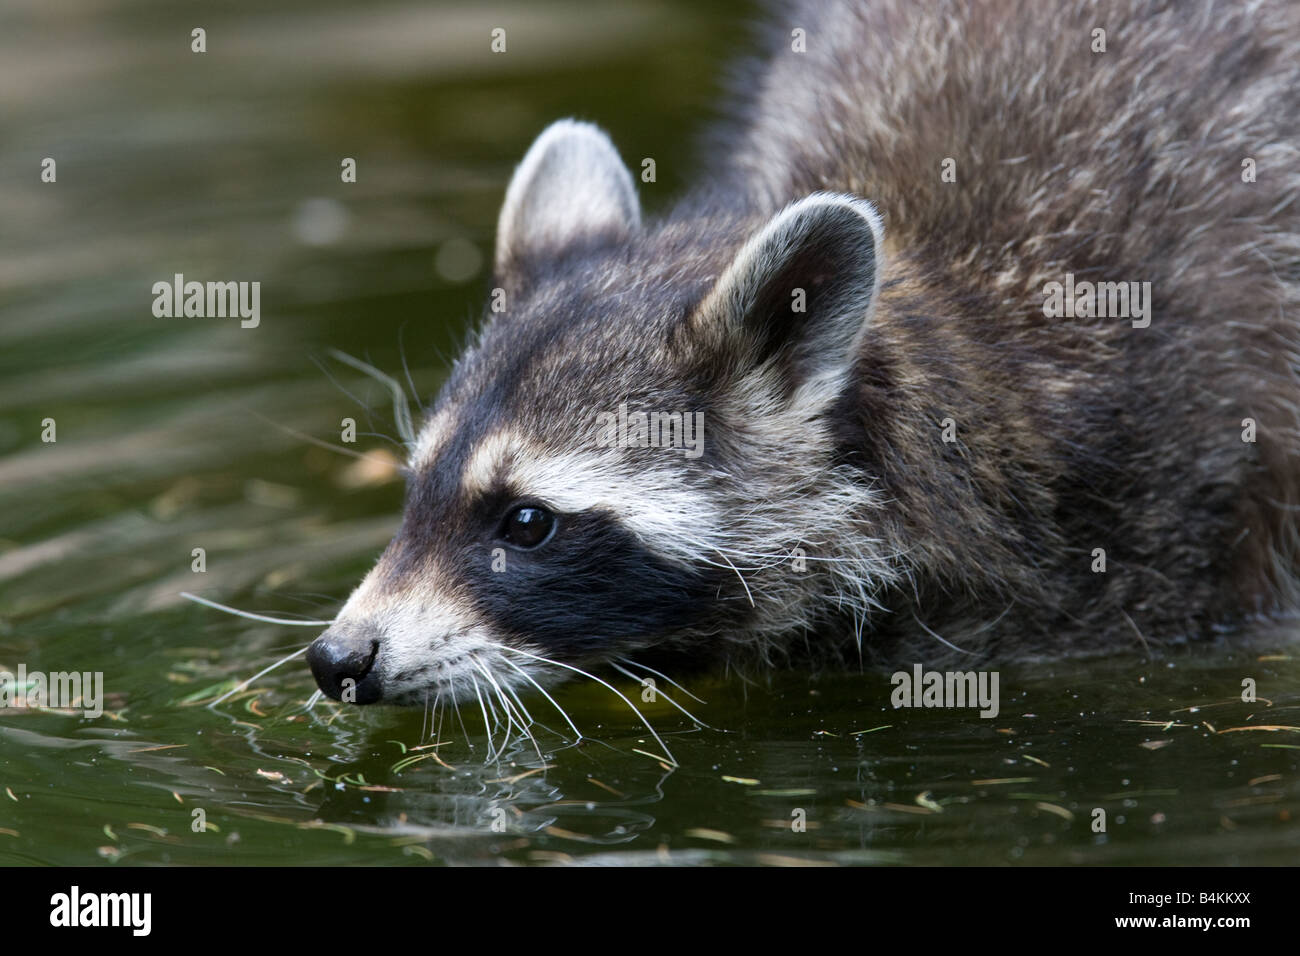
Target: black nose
{"type": "Point", "coordinates": [342, 660]}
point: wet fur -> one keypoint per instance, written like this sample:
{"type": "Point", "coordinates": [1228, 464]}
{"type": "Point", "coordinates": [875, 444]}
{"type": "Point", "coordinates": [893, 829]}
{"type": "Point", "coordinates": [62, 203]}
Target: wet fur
{"type": "Point", "coordinates": [1073, 434]}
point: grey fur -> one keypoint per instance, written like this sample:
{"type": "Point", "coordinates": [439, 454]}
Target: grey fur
{"type": "Point", "coordinates": [826, 429]}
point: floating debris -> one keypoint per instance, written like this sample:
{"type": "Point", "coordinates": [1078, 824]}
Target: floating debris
{"type": "Point", "coordinates": [148, 827]}
{"type": "Point", "coordinates": [1267, 778]}
{"type": "Point", "coordinates": [416, 758]}
{"type": "Point", "coordinates": [568, 834]}
{"type": "Point", "coordinates": [605, 786]}
{"type": "Point", "coordinates": [926, 799]}
{"type": "Point", "coordinates": [704, 833]}
{"type": "Point", "coordinates": [1059, 810]}
{"type": "Point", "coordinates": [1218, 703]}
{"type": "Point", "coordinates": [1268, 727]}
{"type": "Point", "coordinates": [349, 835]}
{"type": "Point", "coordinates": [520, 776]}
{"type": "Point", "coordinates": [662, 760]}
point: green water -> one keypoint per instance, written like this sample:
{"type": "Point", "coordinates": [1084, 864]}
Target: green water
{"type": "Point", "coordinates": [176, 434]}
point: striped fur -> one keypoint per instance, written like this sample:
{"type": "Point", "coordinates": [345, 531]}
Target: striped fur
{"type": "Point", "coordinates": [828, 512]}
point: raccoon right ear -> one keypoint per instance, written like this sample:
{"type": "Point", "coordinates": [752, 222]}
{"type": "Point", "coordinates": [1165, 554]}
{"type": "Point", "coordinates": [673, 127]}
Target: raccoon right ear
{"type": "Point", "coordinates": [798, 296]}
{"type": "Point", "coordinates": [571, 190]}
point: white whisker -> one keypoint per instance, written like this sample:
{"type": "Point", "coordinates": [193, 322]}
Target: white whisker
{"type": "Point", "coordinates": [238, 687]}
{"type": "Point", "coordinates": [320, 442]}
{"type": "Point", "coordinates": [542, 690]}
{"type": "Point", "coordinates": [608, 686]}
{"type": "Point", "coordinates": [627, 673]}
{"type": "Point", "coordinates": [509, 720]}
{"type": "Point", "coordinates": [632, 663]}
{"type": "Point", "coordinates": [401, 404]}
{"type": "Point", "coordinates": [435, 725]}
{"type": "Point", "coordinates": [743, 583]}
{"type": "Point", "coordinates": [455, 706]}
{"type": "Point", "coordinates": [487, 726]}
{"type": "Point", "coordinates": [250, 615]}
{"type": "Point", "coordinates": [505, 703]}
{"type": "Point", "coordinates": [941, 640]}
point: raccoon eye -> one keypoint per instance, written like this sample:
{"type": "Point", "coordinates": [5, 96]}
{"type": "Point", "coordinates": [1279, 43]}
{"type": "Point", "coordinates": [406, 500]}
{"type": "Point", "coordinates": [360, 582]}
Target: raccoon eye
{"type": "Point", "coordinates": [528, 526]}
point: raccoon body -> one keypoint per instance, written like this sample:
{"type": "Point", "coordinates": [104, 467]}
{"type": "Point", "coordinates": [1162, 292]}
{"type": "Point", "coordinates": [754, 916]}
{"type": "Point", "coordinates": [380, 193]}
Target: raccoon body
{"type": "Point", "coordinates": [907, 447]}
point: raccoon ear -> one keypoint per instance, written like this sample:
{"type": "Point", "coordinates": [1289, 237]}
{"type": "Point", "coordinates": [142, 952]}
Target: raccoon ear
{"type": "Point", "coordinates": [801, 290]}
{"type": "Point", "coordinates": [571, 190]}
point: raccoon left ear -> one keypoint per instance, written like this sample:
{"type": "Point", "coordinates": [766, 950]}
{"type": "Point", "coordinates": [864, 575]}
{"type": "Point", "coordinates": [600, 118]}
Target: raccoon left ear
{"type": "Point", "coordinates": [570, 190]}
{"type": "Point", "coordinates": [801, 291]}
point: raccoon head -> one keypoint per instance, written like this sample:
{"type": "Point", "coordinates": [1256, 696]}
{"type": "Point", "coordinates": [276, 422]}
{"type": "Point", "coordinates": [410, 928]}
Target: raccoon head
{"type": "Point", "coordinates": [637, 453]}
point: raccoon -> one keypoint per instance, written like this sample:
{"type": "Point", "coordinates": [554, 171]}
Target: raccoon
{"type": "Point", "coordinates": [907, 450]}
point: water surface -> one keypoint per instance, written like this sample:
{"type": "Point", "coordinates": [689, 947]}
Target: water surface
{"type": "Point", "coordinates": [176, 434]}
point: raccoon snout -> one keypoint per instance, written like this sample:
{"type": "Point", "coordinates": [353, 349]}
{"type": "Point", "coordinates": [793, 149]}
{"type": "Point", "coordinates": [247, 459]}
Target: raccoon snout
{"type": "Point", "coordinates": [342, 660]}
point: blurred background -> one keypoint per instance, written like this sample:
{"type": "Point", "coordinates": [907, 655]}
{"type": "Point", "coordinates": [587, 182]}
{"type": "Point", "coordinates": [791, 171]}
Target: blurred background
{"type": "Point", "coordinates": [183, 433]}
{"type": "Point", "coordinates": [226, 165]}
